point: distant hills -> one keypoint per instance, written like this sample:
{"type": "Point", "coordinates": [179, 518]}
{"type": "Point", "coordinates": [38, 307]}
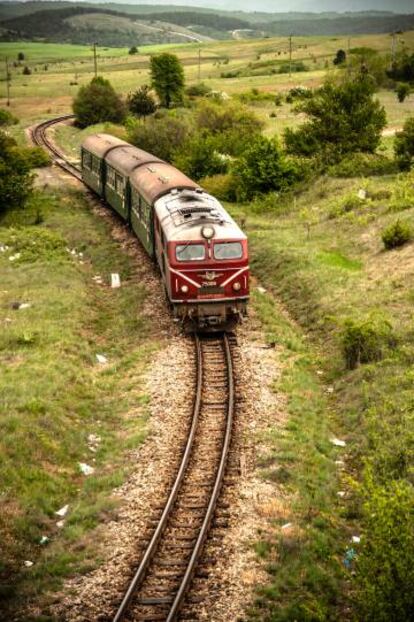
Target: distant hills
{"type": "Point", "coordinates": [120, 24]}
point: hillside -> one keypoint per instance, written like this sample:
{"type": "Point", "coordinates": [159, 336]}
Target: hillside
{"type": "Point", "coordinates": [116, 24]}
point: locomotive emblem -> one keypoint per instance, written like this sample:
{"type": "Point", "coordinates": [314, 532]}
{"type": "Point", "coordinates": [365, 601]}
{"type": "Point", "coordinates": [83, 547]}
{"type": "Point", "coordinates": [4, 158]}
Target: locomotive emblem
{"type": "Point", "coordinates": [209, 278]}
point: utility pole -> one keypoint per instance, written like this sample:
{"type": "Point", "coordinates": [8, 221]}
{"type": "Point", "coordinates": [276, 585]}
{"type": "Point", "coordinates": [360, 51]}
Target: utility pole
{"type": "Point", "coordinates": [290, 56]}
{"type": "Point", "coordinates": [348, 59]}
{"type": "Point", "coordinates": [199, 64]}
{"type": "Point", "coordinates": [393, 46]}
{"type": "Point", "coordinates": [95, 62]}
{"type": "Point", "coordinates": [8, 81]}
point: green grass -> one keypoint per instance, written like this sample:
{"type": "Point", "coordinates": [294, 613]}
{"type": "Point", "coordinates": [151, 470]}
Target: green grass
{"type": "Point", "coordinates": [54, 393]}
{"type": "Point", "coordinates": [327, 267]}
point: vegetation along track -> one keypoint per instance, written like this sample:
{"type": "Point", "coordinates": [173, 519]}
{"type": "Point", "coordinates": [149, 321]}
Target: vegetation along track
{"type": "Point", "coordinates": [39, 136]}
{"type": "Point", "coordinates": [159, 589]}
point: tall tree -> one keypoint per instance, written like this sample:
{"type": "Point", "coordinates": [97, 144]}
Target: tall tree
{"type": "Point", "coordinates": [167, 78]}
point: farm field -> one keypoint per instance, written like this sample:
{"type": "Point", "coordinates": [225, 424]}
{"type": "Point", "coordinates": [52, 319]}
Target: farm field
{"type": "Point", "coordinates": [318, 264]}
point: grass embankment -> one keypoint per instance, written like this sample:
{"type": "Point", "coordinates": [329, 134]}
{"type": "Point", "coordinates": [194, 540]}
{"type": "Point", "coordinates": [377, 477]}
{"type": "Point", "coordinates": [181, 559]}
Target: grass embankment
{"type": "Point", "coordinates": [322, 255]}
{"type": "Point", "coordinates": [55, 394]}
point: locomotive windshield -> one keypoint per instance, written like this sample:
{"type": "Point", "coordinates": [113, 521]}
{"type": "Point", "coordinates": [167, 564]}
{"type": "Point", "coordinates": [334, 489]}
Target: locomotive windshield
{"type": "Point", "coordinates": [228, 250]}
{"type": "Point", "coordinates": [190, 252]}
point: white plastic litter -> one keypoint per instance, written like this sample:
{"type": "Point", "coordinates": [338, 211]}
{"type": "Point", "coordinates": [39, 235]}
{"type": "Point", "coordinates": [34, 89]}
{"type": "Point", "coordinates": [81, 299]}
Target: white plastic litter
{"type": "Point", "coordinates": [341, 493]}
{"type": "Point", "coordinates": [339, 463]}
{"type": "Point", "coordinates": [15, 256]}
{"type": "Point", "coordinates": [330, 390]}
{"type": "Point", "coordinates": [63, 511]}
{"type": "Point", "coordinates": [356, 539]}
{"type": "Point", "coordinates": [337, 442]}
{"type": "Point", "coordinates": [115, 280]}
{"type": "Point", "coordinates": [94, 438]}
{"type": "Point", "coordinates": [24, 305]}
{"type": "Point", "coordinates": [261, 290]}
{"type": "Point", "coordinates": [44, 540]}
{"type": "Point", "coordinates": [85, 468]}
{"type": "Point", "coordinates": [101, 359]}
{"type": "Point", "coordinates": [28, 563]}
{"type": "Point", "coordinates": [60, 524]}
{"type": "Point", "coordinates": [362, 194]}
{"type": "Point", "coordinates": [286, 526]}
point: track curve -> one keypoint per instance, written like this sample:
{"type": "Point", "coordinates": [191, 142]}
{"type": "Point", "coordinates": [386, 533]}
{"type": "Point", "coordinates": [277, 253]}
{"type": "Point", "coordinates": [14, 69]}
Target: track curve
{"type": "Point", "coordinates": [39, 137]}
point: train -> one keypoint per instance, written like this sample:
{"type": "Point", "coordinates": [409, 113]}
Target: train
{"type": "Point", "coordinates": [200, 251]}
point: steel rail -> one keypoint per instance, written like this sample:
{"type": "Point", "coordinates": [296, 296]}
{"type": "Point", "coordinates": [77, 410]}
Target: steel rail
{"type": "Point", "coordinates": [40, 138]}
{"type": "Point", "coordinates": [152, 547]}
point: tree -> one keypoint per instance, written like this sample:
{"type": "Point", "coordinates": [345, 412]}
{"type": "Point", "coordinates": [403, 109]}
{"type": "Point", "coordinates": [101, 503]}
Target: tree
{"type": "Point", "coordinates": [6, 118]}
{"type": "Point", "coordinates": [404, 145]}
{"type": "Point", "coordinates": [343, 119]}
{"type": "Point", "coordinates": [340, 58]}
{"type": "Point", "coordinates": [97, 102]}
{"type": "Point", "coordinates": [161, 136]}
{"type": "Point", "coordinates": [133, 50]}
{"type": "Point", "coordinates": [20, 56]}
{"type": "Point", "coordinates": [141, 103]}
{"type": "Point", "coordinates": [167, 78]}
{"type": "Point", "coordinates": [27, 71]}
{"type": "Point", "coordinates": [403, 90]}
{"type": "Point", "coordinates": [263, 168]}
{"type": "Point", "coordinates": [198, 158]}
{"type": "Point", "coordinates": [15, 179]}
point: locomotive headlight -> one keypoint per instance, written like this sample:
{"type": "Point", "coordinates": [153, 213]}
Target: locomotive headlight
{"type": "Point", "coordinates": [236, 286]}
{"type": "Point", "coordinates": [184, 289]}
{"type": "Point", "coordinates": [207, 232]}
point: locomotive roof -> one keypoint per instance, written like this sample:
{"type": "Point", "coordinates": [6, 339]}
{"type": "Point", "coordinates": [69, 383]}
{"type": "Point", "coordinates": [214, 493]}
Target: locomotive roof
{"type": "Point", "coordinates": [125, 158]}
{"type": "Point", "coordinates": [156, 179]}
{"type": "Point", "coordinates": [101, 144]}
{"type": "Point", "coordinates": [183, 213]}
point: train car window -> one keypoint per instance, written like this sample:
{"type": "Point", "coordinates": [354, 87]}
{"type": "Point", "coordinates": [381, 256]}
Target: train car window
{"type": "Point", "coordinates": [96, 166]}
{"type": "Point", "coordinates": [135, 202]}
{"type": "Point", "coordinates": [228, 250]}
{"type": "Point", "coordinates": [119, 184]}
{"type": "Point", "coordinates": [110, 177]}
{"type": "Point", "coordinates": [190, 252]}
{"type": "Point", "coordinates": [86, 160]}
{"type": "Point", "coordinates": [145, 214]}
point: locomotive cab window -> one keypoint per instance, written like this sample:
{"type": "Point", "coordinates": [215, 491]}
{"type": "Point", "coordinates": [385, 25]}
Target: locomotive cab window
{"type": "Point", "coordinates": [228, 250]}
{"type": "Point", "coordinates": [190, 252]}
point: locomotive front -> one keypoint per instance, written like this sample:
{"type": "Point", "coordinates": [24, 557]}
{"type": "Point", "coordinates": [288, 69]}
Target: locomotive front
{"type": "Point", "coordinates": [206, 260]}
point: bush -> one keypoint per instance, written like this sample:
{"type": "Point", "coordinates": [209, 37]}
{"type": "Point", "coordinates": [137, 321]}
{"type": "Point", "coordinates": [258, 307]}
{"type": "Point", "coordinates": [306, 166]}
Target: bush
{"type": "Point", "coordinates": [98, 102]}
{"type": "Point", "coordinates": [263, 168]}
{"type": "Point", "coordinates": [36, 157]}
{"type": "Point", "coordinates": [198, 90]}
{"type": "Point", "coordinates": [15, 180]}
{"type": "Point", "coordinates": [133, 50]}
{"type": "Point", "coordinates": [404, 145]}
{"type": "Point", "coordinates": [6, 118]}
{"type": "Point", "coordinates": [255, 96]}
{"type": "Point", "coordinates": [141, 103]}
{"type": "Point", "coordinates": [397, 234]}
{"type": "Point", "coordinates": [27, 71]}
{"type": "Point", "coordinates": [294, 67]}
{"type": "Point", "coordinates": [384, 566]}
{"type": "Point", "coordinates": [345, 205]}
{"type": "Point", "coordinates": [344, 119]}
{"type": "Point", "coordinates": [161, 135]}
{"type": "Point", "coordinates": [198, 158]}
{"type": "Point", "coordinates": [403, 90]}
{"type": "Point", "coordinates": [365, 341]}
{"type": "Point", "coordinates": [223, 187]}
{"type": "Point", "coordinates": [363, 165]}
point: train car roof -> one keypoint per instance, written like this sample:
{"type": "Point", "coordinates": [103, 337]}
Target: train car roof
{"type": "Point", "coordinates": [101, 144]}
{"type": "Point", "coordinates": [156, 179]}
{"type": "Point", "coordinates": [183, 213]}
{"type": "Point", "coordinates": [126, 158]}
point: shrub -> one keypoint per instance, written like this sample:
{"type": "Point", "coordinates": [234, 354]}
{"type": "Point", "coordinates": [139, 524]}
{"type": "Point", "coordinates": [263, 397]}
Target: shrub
{"type": "Point", "coordinates": [342, 119]}
{"type": "Point", "coordinates": [198, 90]}
{"type": "Point", "coordinates": [346, 204]}
{"type": "Point", "coordinates": [133, 50]}
{"type": "Point", "coordinates": [141, 103]}
{"type": "Point", "coordinates": [98, 102]}
{"type": "Point", "coordinates": [15, 180]}
{"type": "Point", "coordinates": [365, 341]}
{"type": "Point", "coordinates": [6, 118]}
{"type": "Point", "coordinates": [161, 135]}
{"type": "Point", "coordinates": [403, 90]}
{"type": "Point", "coordinates": [340, 57]}
{"type": "Point", "coordinates": [27, 71]}
{"type": "Point", "coordinates": [397, 234]}
{"type": "Point", "coordinates": [363, 165]}
{"type": "Point", "coordinates": [223, 187]}
{"type": "Point", "coordinates": [384, 568]}
{"type": "Point", "coordinates": [36, 157]}
{"type": "Point", "coordinates": [263, 168]}
{"type": "Point", "coordinates": [255, 96]}
{"type": "Point", "coordinates": [294, 67]}
{"type": "Point", "coordinates": [404, 145]}
{"type": "Point", "coordinates": [198, 158]}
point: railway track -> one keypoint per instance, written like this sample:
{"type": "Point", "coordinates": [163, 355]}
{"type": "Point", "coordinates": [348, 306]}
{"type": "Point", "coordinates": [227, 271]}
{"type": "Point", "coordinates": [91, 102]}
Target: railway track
{"type": "Point", "coordinates": [160, 586]}
{"type": "Point", "coordinates": [39, 136]}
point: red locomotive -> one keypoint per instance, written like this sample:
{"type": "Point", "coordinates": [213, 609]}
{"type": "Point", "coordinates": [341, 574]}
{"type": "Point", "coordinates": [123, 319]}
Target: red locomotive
{"type": "Point", "coordinates": [200, 250]}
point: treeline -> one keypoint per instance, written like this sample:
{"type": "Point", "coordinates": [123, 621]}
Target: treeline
{"type": "Point", "coordinates": [210, 20]}
{"type": "Point", "coordinates": [359, 24]}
